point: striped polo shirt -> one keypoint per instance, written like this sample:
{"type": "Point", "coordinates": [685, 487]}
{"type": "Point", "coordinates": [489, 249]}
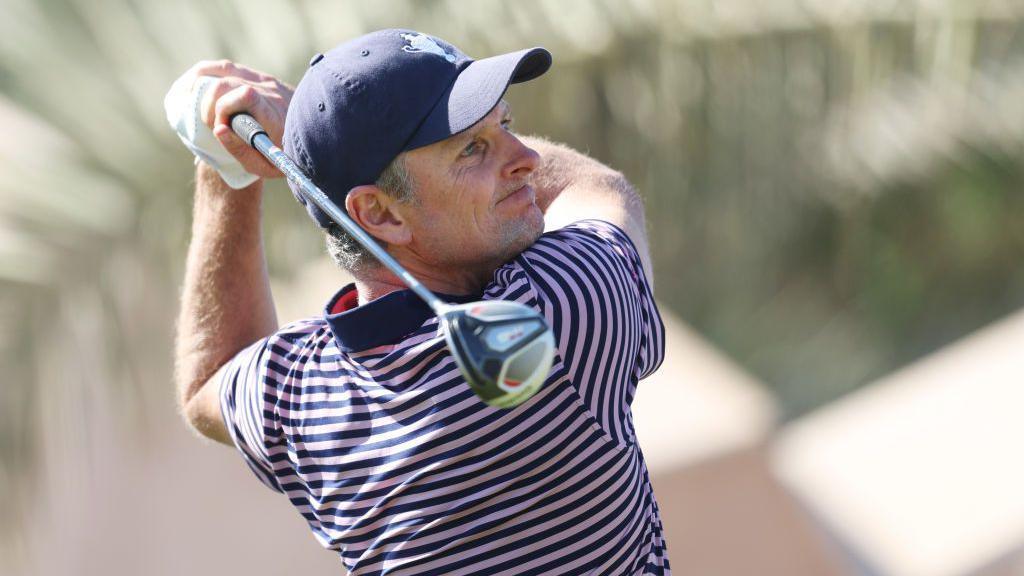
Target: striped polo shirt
{"type": "Point", "coordinates": [363, 420]}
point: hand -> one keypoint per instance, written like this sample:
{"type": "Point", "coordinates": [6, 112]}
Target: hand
{"type": "Point", "coordinates": [223, 89]}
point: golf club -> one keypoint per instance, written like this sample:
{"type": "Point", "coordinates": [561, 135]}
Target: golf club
{"type": "Point", "coordinates": [503, 349]}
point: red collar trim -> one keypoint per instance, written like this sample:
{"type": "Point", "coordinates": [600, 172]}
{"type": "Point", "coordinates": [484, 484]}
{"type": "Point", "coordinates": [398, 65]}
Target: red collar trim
{"type": "Point", "coordinates": [346, 302]}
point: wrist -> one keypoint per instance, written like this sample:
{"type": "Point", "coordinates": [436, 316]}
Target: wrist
{"type": "Point", "coordinates": [210, 182]}
{"type": "Point", "coordinates": [217, 207]}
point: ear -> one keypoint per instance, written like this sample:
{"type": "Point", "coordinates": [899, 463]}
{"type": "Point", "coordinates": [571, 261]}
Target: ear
{"type": "Point", "coordinates": [374, 211]}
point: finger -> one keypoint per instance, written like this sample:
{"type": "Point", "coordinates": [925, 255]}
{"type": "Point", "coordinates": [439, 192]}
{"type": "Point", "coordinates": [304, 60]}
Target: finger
{"type": "Point", "coordinates": [214, 92]}
{"type": "Point", "coordinates": [242, 98]}
{"type": "Point", "coordinates": [269, 109]}
{"type": "Point", "coordinates": [247, 156]}
{"type": "Point", "coordinates": [226, 68]}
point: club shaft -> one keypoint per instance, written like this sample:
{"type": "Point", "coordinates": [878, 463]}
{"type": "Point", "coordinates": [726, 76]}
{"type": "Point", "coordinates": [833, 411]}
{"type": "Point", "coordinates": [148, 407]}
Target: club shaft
{"type": "Point", "coordinates": [313, 194]}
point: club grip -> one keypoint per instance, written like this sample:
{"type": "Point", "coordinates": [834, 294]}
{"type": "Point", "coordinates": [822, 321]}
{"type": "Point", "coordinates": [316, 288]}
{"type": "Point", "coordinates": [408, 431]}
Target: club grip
{"type": "Point", "coordinates": [246, 127]}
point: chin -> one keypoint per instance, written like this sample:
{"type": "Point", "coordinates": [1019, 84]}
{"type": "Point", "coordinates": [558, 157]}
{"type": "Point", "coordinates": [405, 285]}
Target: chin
{"type": "Point", "coordinates": [522, 233]}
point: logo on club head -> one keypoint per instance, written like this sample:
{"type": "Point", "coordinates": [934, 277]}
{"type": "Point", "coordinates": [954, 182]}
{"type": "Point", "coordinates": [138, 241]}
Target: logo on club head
{"type": "Point", "coordinates": [423, 43]}
{"type": "Point", "coordinates": [502, 338]}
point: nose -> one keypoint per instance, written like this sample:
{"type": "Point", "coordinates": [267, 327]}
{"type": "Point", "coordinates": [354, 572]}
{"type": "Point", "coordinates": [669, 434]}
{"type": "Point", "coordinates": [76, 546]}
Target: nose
{"type": "Point", "coordinates": [523, 161]}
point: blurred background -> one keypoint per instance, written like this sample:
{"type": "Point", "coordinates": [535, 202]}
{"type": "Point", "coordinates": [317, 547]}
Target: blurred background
{"type": "Point", "coordinates": [833, 191]}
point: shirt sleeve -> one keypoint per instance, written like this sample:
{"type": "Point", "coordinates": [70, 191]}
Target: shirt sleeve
{"type": "Point", "coordinates": [591, 288]}
{"type": "Point", "coordinates": [247, 400]}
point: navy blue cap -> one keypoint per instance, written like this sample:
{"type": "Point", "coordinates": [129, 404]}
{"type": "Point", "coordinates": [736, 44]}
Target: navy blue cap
{"type": "Point", "coordinates": [368, 100]}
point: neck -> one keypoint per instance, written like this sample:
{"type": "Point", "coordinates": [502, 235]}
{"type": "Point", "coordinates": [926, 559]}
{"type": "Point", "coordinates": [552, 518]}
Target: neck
{"type": "Point", "coordinates": [379, 281]}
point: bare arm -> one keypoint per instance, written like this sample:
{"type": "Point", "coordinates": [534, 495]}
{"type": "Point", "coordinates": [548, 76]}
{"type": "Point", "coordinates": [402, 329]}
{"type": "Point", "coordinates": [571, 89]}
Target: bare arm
{"type": "Point", "coordinates": [226, 302]}
{"type": "Point", "coordinates": [572, 186]}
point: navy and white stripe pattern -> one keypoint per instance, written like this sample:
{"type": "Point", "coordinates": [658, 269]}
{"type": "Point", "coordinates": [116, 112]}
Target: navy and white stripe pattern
{"type": "Point", "coordinates": [362, 419]}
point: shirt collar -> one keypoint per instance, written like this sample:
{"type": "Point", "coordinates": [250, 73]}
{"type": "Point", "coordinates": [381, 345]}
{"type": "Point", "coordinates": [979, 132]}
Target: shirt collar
{"type": "Point", "coordinates": [385, 320]}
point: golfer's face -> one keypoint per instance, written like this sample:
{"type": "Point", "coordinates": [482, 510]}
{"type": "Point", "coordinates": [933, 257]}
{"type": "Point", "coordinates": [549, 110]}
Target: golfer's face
{"type": "Point", "coordinates": [474, 189]}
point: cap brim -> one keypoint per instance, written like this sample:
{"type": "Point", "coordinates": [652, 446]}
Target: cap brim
{"type": "Point", "coordinates": [476, 91]}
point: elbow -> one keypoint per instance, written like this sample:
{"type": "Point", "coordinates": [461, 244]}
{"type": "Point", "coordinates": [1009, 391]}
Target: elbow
{"type": "Point", "coordinates": [616, 185]}
{"type": "Point", "coordinates": [184, 386]}
{"type": "Point", "coordinates": [184, 404]}
{"type": "Point", "coordinates": [194, 416]}
{"type": "Point", "coordinates": [202, 414]}
{"type": "Point", "coordinates": [187, 385]}
{"type": "Point", "coordinates": [615, 182]}
{"type": "Point", "coordinates": [198, 401]}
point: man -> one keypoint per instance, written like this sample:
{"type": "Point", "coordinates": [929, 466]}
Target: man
{"type": "Point", "coordinates": [360, 416]}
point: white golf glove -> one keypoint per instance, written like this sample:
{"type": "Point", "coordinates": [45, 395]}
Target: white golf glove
{"type": "Point", "coordinates": [182, 106]}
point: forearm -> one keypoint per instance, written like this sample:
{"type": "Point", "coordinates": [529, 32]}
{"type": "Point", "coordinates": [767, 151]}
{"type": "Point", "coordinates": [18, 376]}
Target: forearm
{"type": "Point", "coordinates": [571, 186]}
{"type": "Point", "coordinates": [226, 302]}
{"type": "Point", "coordinates": [564, 169]}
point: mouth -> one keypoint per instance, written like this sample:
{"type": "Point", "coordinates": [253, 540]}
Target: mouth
{"type": "Point", "coordinates": [524, 192]}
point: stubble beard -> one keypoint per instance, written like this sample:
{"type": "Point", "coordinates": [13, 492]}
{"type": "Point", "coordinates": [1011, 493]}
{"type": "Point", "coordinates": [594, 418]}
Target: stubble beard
{"type": "Point", "coordinates": [520, 234]}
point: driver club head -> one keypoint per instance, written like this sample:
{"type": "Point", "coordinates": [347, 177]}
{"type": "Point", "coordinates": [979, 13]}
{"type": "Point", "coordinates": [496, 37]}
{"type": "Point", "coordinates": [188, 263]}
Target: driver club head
{"type": "Point", "coordinates": [503, 349]}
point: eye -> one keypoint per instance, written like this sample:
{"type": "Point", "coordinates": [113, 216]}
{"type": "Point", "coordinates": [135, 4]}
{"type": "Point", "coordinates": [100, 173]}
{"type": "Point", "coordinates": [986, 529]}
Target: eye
{"type": "Point", "coordinates": [506, 122]}
{"type": "Point", "coordinates": [472, 148]}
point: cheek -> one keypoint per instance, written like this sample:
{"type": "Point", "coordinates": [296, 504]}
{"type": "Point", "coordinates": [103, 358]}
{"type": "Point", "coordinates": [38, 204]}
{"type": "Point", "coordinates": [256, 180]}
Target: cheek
{"type": "Point", "coordinates": [473, 201]}
{"type": "Point", "coordinates": [455, 225]}
{"type": "Point", "coordinates": [464, 209]}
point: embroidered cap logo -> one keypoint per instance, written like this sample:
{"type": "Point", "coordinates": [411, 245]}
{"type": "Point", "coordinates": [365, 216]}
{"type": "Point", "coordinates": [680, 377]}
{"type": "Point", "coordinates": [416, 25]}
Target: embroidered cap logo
{"type": "Point", "coordinates": [423, 43]}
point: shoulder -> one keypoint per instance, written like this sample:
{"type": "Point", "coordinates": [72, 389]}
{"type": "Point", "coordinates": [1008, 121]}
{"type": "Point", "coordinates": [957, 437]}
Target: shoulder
{"type": "Point", "coordinates": [301, 329]}
{"type": "Point", "coordinates": [300, 333]}
{"type": "Point", "coordinates": [269, 363]}
{"type": "Point", "coordinates": [595, 243]}
{"type": "Point", "coordinates": [591, 230]}
{"type": "Point", "coordinates": [580, 261]}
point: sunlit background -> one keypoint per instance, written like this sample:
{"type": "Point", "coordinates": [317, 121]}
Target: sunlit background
{"type": "Point", "coordinates": [834, 194]}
